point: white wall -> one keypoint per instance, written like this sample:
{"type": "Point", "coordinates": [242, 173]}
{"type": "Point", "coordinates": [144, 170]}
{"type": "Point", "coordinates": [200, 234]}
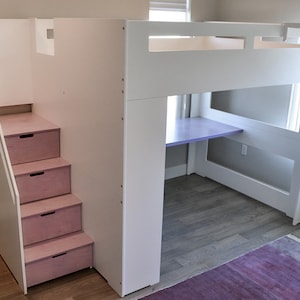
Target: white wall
{"type": "Point", "coordinates": [276, 11]}
{"type": "Point", "coordinates": [15, 65]}
{"type": "Point", "coordinates": [131, 9]}
{"type": "Point", "coordinates": [15, 36]}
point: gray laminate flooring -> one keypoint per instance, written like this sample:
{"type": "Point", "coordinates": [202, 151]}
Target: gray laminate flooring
{"type": "Point", "coordinates": [207, 224]}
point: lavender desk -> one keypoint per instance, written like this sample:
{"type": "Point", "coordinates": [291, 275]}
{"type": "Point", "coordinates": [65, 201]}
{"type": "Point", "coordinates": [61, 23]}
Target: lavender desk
{"type": "Point", "coordinates": [191, 130]}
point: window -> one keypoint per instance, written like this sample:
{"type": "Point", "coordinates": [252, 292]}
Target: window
{"type": "Point", "coordinates": [293, 122]}
{"type": "Point", "coordinates": [170, 10]}
{"type": "Point", "coordinates": [178, 108]}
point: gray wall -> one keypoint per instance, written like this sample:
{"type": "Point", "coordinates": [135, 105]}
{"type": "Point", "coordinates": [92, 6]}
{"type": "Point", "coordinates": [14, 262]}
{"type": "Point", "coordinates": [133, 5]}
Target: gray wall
{"type": "Point", "coordinates": [176, 156]}
{"type": "Point", "coordinates": [277, 11]}
{"type": "Point", "coordinates": [266, 167]}
{"type": "Point", "coordinates": [203, 10]}
{"type": "Point", "coordinates": [266, 104]}
{"type": "Point", "coordinates": [131, 9]}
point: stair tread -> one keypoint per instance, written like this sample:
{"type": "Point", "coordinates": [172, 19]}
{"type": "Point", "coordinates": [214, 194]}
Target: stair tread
{"type": "Point", "coordinates": [50, 204]}
{"type": "Point", "coordinates": [56, 246]}
{"type": "Point", "coordinates": [24, 123]}
{"type": "Point", "coordinates": [39, 165]}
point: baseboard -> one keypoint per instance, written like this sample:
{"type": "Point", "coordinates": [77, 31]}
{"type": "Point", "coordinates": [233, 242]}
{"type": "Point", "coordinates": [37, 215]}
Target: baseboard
{"type": "Point", "coordinates": [176, 171]}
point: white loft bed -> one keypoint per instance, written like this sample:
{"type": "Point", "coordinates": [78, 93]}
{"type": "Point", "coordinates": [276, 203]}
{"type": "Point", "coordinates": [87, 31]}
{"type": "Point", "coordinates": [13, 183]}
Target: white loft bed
{"type": "Point", "coordinates": [106, 83]}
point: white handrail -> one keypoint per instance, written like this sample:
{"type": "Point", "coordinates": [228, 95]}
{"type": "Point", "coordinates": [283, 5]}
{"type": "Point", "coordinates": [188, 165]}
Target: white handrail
{"type": "Point", "coordinates": [10, 218]}
{"type": "Point", "coordinates": [163, 67]}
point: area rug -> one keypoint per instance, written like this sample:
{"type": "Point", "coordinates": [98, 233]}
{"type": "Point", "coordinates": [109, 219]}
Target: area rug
{"type": "Point", "coordinates": [271, 272]}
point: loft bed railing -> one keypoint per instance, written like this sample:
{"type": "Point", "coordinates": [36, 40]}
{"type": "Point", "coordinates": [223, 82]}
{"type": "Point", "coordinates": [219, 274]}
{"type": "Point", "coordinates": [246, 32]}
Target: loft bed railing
{"type": "Point", "coordinates": [231, 36]}
{"type": "Point", "coordinates": [158, 65]}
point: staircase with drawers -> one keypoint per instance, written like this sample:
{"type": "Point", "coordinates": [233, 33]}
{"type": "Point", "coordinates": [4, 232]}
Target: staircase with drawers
{"type": "Point", "coordinates": [54, 243]}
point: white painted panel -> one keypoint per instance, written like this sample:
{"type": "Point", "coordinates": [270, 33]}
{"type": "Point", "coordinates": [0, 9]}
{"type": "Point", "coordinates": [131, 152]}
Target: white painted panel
{"type": "Point", "coordinates": [11, 243]}
{"type": "Point", "coordinates": [154, 74]}
{"type": "Point", "coordinates": [80, 90]}
{"type": "Point", "coordinates": [143, 192]}
{"type": "Point", "coordinates": [15, 62]}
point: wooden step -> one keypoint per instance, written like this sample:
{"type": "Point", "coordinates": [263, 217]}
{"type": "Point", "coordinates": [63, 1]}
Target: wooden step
{"type": "Point", "coordinates": [53, 217]}
{"type": "Point", "coordinates": [37, 166]}
{"type": "Point", "coordinates": [43, 179]}
{"type": "Point", "coordinates": [41, 207]}
{"type": "Point", "coordinates": [15, 109]}
{"type": "Point", "coordinates": [24, 123]}
{"type": "Point", "coordinates": [58, 257]}
{"type": "Point", "coordinates": [29, 137]}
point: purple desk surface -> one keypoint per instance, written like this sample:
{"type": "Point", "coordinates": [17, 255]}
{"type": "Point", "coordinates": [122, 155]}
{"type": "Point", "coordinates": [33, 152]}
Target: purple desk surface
{"type": "Point", "coordinates": [191, 130]}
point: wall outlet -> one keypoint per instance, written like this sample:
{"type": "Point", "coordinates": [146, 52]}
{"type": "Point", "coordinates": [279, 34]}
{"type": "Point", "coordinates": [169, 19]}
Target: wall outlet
{"type": "Point", "coordinates": [244, 149]}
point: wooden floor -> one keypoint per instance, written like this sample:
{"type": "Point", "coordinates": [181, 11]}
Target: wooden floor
{"type": "Point", "coordinates": [205, 225]}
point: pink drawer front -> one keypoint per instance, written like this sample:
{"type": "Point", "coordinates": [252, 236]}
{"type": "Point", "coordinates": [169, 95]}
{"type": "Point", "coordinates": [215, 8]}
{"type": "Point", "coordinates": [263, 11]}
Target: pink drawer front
{"type": "Point", "coordinates": [59, 265]}
{"type": "Point", "coordinates": [44, 184]}
{"type": "Point", "coordinates": [51, 224]}
{"type": "Point", "coordinates": [33, 146]}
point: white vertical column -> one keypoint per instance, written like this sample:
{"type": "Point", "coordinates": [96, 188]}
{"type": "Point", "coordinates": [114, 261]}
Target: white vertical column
{"type": "Point", "coordinates": [144, 168]}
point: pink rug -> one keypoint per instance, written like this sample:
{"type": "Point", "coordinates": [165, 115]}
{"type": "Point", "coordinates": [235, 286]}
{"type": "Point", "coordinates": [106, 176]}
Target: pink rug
{"type": "Point", "coordinates": [271, 272]}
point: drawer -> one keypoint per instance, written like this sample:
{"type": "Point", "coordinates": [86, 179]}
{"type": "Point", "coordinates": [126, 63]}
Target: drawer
{"type": "Point", "coordinates": [51, 224]}
{"type": "Point", "coordinates": [33, 146]}
{"type": "Point", "coordinates": [44, 184]}
{"type": "Point", "coordinates": [59, 265]}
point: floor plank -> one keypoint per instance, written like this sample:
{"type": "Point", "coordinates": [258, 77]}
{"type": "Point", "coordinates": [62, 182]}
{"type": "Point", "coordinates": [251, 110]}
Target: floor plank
{"type": "Point", "coordinates": [205, 225]}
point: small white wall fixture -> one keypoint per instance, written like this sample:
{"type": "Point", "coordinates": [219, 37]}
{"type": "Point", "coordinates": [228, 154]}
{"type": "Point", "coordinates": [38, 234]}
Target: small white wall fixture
{"type": "Point", "coordinates": [44, 36]}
